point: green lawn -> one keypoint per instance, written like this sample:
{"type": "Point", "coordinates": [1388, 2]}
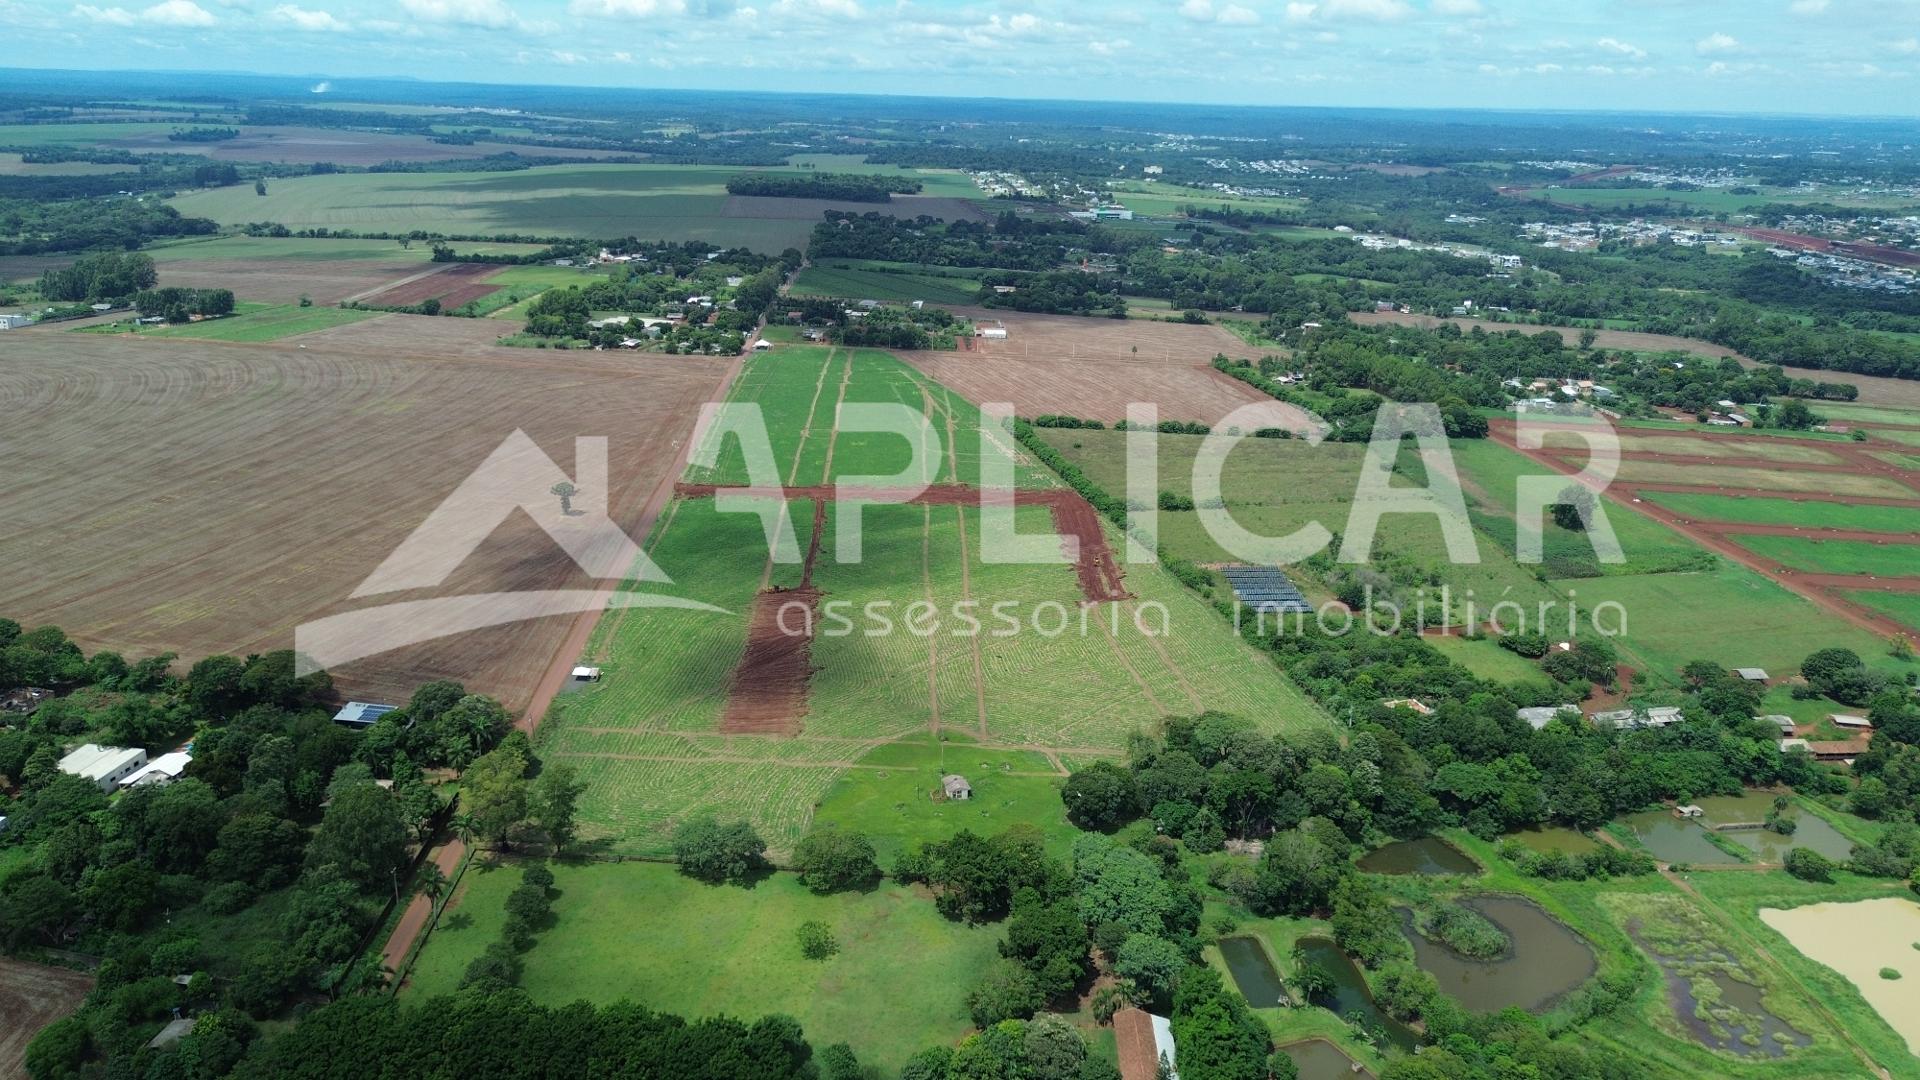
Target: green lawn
{"type": "Point", "coordinates": [642, 932]}
{"type": "Point", "coordinates": [1759, 510]}
{"type": "Point", "coordinates": [1838, 556]}
{"type": "Point", "coordinates": [1488, 660]}
{"type": "Point", "coordinates": [1867, 414]}
{"type": "Point", "coordinates": [890, 795]}
{"type": "Point", "coordinates": [1732, 616]}
{"type": "Point", "coordinates": [269, 322]}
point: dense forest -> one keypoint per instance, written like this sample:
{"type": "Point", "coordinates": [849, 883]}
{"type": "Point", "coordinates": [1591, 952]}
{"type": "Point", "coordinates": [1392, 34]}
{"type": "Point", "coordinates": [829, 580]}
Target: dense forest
{"type": "Point", "coordinates": [846, 187]}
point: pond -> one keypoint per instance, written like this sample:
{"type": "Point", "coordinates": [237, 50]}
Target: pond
{"type": "Point", "coordinates": [1253, 972]}
{"type": "Point", "coordinates": [1318, 1059]}
{"type": "Point", "coordinates": [1427, 855]}
{"type": "Point", "coordinates": [1555, 839]}
{"type": "Point", "coordinates": [1676, 840]}
{"type": "Point", "coordinates": [1350, 998]}
{"type": "Point", "coordinates": [1546, 962]}
{"type": "Point", "coordinates": [1734, 1016]}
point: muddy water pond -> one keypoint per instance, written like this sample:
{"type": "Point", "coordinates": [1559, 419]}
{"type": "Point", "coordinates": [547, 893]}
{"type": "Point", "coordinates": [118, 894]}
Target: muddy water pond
{"type": "Point", "coordinates": [1318, 1059]}
{"type": "Point", "coordinates": [1350, 997]}
{"type": "Point", "coordinates": [1555, 839]}
{"type": "Point", "coordinates": [1720, 1011]}
{"type": "Point", "coordinates": [1676, 840]}
{"type": "Point", "coordinates": [1545, 962]}
{"type": "Point", "coordinates": [1427, 855]}
{"type": "Point", "coordinates": [1253, 972]}
{"type": "Point", "coordinates": [1673, 839]}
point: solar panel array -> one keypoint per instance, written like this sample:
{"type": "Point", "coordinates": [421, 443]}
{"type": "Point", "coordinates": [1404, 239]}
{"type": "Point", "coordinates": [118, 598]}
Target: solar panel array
{"type": "Point", "coordinates": [1265, 589]}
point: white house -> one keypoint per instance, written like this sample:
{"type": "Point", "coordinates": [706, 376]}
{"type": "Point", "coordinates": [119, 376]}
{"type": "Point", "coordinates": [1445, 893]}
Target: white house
{"type": "Point", "coordinates": [9, 322]}
{"type": "Point", "coordinates": [586, 674]}
{"type": "Point", "coordinates": [104, 765]}
{"type": "Point", "coordinates": [161, 771]}
{"type": "Point", "coordinates": [994, 333]}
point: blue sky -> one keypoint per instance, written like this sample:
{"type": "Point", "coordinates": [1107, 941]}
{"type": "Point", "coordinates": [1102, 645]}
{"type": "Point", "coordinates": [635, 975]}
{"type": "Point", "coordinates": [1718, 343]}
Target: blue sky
{"type": "Point", "coordinates": [1826, 56]}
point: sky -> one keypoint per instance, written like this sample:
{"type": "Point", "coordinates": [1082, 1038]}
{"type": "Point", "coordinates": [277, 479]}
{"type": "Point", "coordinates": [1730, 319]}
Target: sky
{"type": "Point", "coordinates": [1856, 57]}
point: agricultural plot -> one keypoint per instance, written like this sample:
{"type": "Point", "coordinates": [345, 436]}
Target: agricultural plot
{"type": "Point", "coordinates": [1487, 660]}
{"type": "Point", "coordinates": [1903, 608]}
{"type": "Point", "coordinates": [1076, 678]}
{"type": "Point", "coordinates": [1839, 556]}
{"type": "Point", "coordinates": [651, 202]}
{"type": "Point", "coordinates": [31, 997]}
{"type": "Point", "coordinates": [1732, 616]}
{"type": "Point", "coordinates": [1740, 478]}
{"type": "Point", "coordinates": [1759, 510]}
{"type": "Point", "coordinates": [1095, 368]}
{"type": "Point", "coordinates": [890, 991]}
{"type": "Point", "coordinates": [1707, 446]}
{"type": "Point", "coordinates": [1868, 414]}
{"type": "Point", "coordinates": [255, 323]}
{"type": "Point", "coordinates": [856, 284]}
{"type": "Point", "coordinates": [165, 552]}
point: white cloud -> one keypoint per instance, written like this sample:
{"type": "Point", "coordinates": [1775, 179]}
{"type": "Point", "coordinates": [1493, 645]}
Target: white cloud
{"type": "Point", "coordinates": [1366, 10]}
{"type": "Point", "coordinates": [1457, 7]}
{"type": "Point", "coordinates": [312, 22]}
{"type": "Point", "coordinates": [638, 9]}
{"type": "Point", "coordinates": [1621, 48]}
{"type": "Point", "coordinates": [1198, 10]}
{"type": "Point", "coordinates": [494, 14]}
{"type": "Point", "coordinates": [1231, 15]}
{"type": "Point", "coordinates": [1907, 47]}
{"type": "Point", "coordinates": [1235, 15]}
{"type": "Point", "coordinates": [1808, 7]}
{"type": "Point", "coordinates": [839, 9]}
{"type": "Point", "coordinates": [1301, 12]}
{"type": "Point", "coordinates": [1716, 43]}
{"type": "Point", "coordinates": [166, 13]}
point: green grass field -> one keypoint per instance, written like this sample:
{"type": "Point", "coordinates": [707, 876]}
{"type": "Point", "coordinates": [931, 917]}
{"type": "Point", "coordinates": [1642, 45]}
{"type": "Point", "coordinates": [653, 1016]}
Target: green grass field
{"type": "Point", "coordinates": [643, 933]}
{"type": "Point", "coordinates": [1904, 607]}
{"type": "Point", "coordinates": [1867, 414]}
{"type": "Point", "coordinates": [1765, 511]}
{"type": "Point", "coordinates": [652, 202]}
{"type": "Point", "coordinates": [1838, 556]}
{"type": "Point", "coordinates": [1708, 201]}
{"type": "Point", "coordinates": [1732, 616]}
{"type": "Point", "coordinates": [858, 284]}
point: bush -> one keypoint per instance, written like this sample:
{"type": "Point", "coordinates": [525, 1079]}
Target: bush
{"type": "Point", "coordinates": [713, 852]}
{"type": "Point", "coordinates": [816, 940]}
{"type": "Point", "coordinates": [1808, 865]}
{"type": "Point", "coordinates": [1889, 974]}
{"type": "Point", "coordinates": [831, 859]}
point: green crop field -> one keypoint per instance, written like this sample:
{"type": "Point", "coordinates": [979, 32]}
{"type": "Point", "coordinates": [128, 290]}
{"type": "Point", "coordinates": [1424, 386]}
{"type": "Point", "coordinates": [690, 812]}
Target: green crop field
{"type": "Point", "coordinates": [1905, 438]}
{"type": "Point", "coordinates": [77, 134]}
{"type": "Point", "coordinates": [1076, 679]}
{"type": "Point", "coordinates": [1904, 607]}
{"type": "Point", "coordinates": [1867, 414]}
{"type": "Point", "coordinates": [1838, 556]}
{"type": "Point", "coordinates": [853, 284]}
{"type": "Point", "coordinates": [642, 932]}
{"type": "Point", "coordinates": [1731, 616]}
{"type": "Point", "coordinates": [317, 249]}
{"type": "Point", "coordinates": [1764, 511]}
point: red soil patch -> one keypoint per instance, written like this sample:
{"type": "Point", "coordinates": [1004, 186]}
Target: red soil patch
{"type": "Point", "coordinates": [1096, 567]}
{"type": "Point", "coordinates": [453, 286]}
{"type": "Point", "coordinates": [31, 997]}
{"type": "Point", "coordinates": [769, 691]}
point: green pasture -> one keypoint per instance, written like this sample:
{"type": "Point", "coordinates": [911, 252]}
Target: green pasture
{"type": "Point", "coordinates": [82, 134]}
{"type": "Point", "coordinates": [1867, 414]}
{"type": "Point", "coordinates": [644, 933]}
{"type": "Point", "coordinates": [1904, 607]}
{"type": "Point", "coordinates": [1838, 556]}
{"type": "Point", "coordinates": [851, 284]}
{"type": "Point", "coordinates": [1488, 660]}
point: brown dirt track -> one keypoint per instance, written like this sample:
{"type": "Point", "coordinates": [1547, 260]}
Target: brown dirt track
{"type": "Point", "coordinates": [453, 284]}
{"type": "Point", "coordinates": [1088, 368]}
{"type": "Point", "coordinates": [31, 997]}
{"type": "Point", "coordinates": [203, 497]}
{"type": "Point", "coordinates": [1723, 538]}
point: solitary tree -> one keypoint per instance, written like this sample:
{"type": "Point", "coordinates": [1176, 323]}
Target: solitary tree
{"type": "Point", "coordinates": [1574, 511]}
{"type": "Point", "coordinates": [566, 492]}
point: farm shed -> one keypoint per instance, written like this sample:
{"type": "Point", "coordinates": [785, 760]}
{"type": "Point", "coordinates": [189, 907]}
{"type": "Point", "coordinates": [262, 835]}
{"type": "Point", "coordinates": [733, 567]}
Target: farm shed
{"type": "Point", "coordinates": [586, 674]}
{"type": "Point", "coordinates": [956, 787]}
{"type": "Point", "coordinates": [1539, 716]}
{"type": "Point", "coordinates": [104, 765]}
{"type": "Point", "coordinates": [1784, 723]}
{"type": "Point", "coordinates": [994, 333]}
{"type": "Point", "coordinates": [161, 771]}
{"type": "Point", "coordinates": [1848, 720]}
{"type": "Point", "coordinates": [1751, 674]}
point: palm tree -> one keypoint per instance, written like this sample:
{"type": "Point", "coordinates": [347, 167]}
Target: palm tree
{"type": "Point", "coordinates": [566, 492]}
{"type": "Point", "coordinates": [432, 882]}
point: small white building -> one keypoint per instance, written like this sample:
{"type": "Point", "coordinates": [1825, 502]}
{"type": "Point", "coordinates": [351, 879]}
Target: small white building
{"type": "Point", "coordinates": [106, 766]}
{"type": "Point", "coordinates": [362, 713]}
{"type": "Point", "coordinates": [1751, 674]}
{"type": "Point", "coordinates": [586, 674]}
{"type": "Point", "coordinates": [1847, 720]}
{"type": "Point", "coordinates": [761, 345]}
{"type": "Point", "coordinates": [1539, 716]}
{"type": "Point", "coordinates": [10, 322]}
{"type": "Point", "coordinates": [994, 333]}
{"type": "Point", "coordinates": [1784, 723]}
{"type": "Point", "coordinates": [956, 787]}
{"type": "Point", "coordinates": [161, 771]}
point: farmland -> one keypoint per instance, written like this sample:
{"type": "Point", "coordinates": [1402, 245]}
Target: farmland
{"type": "Point", "coordinates": [1839, 556]}
{"type": "Point", "coordinates": [650, 202]}
{"type": "Point", "coordinates": [1804, 515]}
{"type": "Point", "coordinates": [253, 322]}
{"type": "Point", "coordinates": [648, 737]}
{"type": "Point", "coordinates": [31, 997]}
{"type": "Point", "coordinates": [853, 283]}
{"type": "Point", "coordinates": [169, 551]}
{"type": "Point", "coordinates": [618, 927]}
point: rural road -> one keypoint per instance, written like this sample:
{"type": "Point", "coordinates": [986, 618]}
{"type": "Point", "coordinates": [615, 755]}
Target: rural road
{"type": "Point", "coordinates": [419, 909]}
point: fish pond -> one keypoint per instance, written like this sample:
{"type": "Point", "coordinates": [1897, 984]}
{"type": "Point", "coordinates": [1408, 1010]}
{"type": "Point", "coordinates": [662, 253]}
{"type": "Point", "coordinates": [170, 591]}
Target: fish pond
{"type": "Point", "coordinates": [1732, 818]}
{"type": "Point", "coordinates": [1318, 1059]}
{"type": "Point", "coordinates": [1253, 972]}
{"type": "Point", "coordinates": [1427, 855]}
{"type": "Point", "coordinates": [1555, 839]}
{"type": "Point", "coordinates": [1546, 961]}
{"type": "Point", "coordinates": [1349, 996]}
{"type": "Point", "coordinates": [1714, 993]}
